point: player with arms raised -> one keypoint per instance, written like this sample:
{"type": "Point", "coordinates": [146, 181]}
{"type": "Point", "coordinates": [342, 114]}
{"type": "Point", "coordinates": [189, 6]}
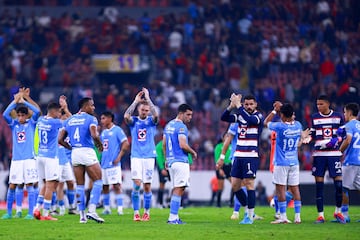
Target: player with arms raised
{"type": "Point", "coordinates": [246, 161]}
{"type": "Point", "coordinates": [143, 152]}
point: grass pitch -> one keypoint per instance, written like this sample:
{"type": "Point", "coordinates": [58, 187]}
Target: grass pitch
{"type": "Point", "coordinates": [201, 223]}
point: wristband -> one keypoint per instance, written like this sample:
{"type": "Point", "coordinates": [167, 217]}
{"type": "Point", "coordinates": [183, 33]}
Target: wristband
{"type": "Point", "coordinates": [273, 112]}
{"type": "Point", "coordinates": [222, 156]}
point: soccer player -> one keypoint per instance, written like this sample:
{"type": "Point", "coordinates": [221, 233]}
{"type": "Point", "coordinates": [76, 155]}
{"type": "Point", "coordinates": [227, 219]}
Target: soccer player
{"type": "Point", "coordinates": [286, 162]}
{"type": "Point", "coordinates": [224, 172]}
{"type": "Point", "coordinates": [47, 159]}
{"type": "Point", "coordinates": [176, 149]}
{"type": "Point", "coordinates": [246, 156]}
{"type": "Point", "coordinates": [23, 164]}
{"type": "Point", "coordinates": [143, 153]}
{"type": "Point", "coordinates": [83, 136]}
{"type": "Point", "coordinates": [163, 173]}
{"type": "Point", "coordinates": [326, 155]}
{"type": "Point", "coordinates": [115, 145]}
{"type": "Point", "coordinates": [351, 147]}
{"type": "Point", "coordinates": [66, 171]}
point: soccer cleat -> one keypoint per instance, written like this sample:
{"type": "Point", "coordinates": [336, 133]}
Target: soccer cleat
{"type": "Point", "coordinates": [95, 217]}
{"type": "Point", "coordinates": [297, 221]}
{"type": "Point", "coordinates": [48, 218]}
{"type": "Point", "coordinates": [54, 213]}
{"type": "Point", "coordinates": [246, 220]}
{"type": "Point", "coordinates": [37, 214]}
{"type": "Point", "coordinates": [145, 217]}
{"type": "Point", "coordinates": [320, 219]}
{"type": "Point", "coordinates": [347, 219]}
{"type": "Point", "coordinates": [29, 217]}
{"type": "Point", "coordinates": [62, 211]}
{"type": "Point", "coordinates": [106, 212]}
{"type": "Point", "coordinates": [340, 218]}
{"type": "Point", "coordinates": [73, 211]}
{"type": "Point", "coordinates": [6, 216]}
{"type": "Point", "coordinates": [175, 222]}
{"type": "Point", "coordinates": [137, 217]}
{"type": "Point", "coordinates": [277, 216]}
{"type": "Point", "coordinates": [83, 220]}
{"type": "Point", "coordinates": [235, 216]}
{"type": "Point", "coordinates": [18, 215]}
{"type": "Point", "coordinates": [257, 217]}
{"type": "Point", "coordinates": [281, 221]}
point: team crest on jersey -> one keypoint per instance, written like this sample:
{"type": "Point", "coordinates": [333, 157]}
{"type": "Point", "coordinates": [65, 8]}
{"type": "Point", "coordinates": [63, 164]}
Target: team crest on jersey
{"type": "Point", "coordinates": [142, 134]}
{"type": "Point", "coordinates": [327, 132]}
{"type": "Point", "coordinates": [242, 131]}
{"type": "Point", "coordinates": [21, 137]}
{"type": "Point", "coordinates": [106, 144]}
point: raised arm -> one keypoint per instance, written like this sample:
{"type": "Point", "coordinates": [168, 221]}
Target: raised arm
{"type": "Point", "coordinates": [153, 111]}
{"type": "Point", "coordinates": [235, 101]}
{"type": "Point", "coordinates": [64, 106]}
{"type": "Point", "coordinates": [227, 141]}
{"type": "Point", "coordinates": [131, 108]}
{"type": "Point", "coordinates": [12, 106]}
{"type": "Point", "coordinates": [272, 114]}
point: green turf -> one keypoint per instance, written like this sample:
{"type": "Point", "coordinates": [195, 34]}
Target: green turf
{"type": "Point", "coordinates": [201, 223]}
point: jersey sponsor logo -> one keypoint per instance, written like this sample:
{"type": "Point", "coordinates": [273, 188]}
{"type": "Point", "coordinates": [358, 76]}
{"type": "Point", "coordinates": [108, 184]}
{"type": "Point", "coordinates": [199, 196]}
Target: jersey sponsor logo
{"type": "Point", "coordinates": [21, 136]}
{"type": "Point", "coordinates": [141, 134]}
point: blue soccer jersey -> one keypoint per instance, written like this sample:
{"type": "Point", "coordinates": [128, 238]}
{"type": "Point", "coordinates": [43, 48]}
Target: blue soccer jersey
{"type": "Point", "coordinates": [352, 153]}
{"type": "Point", "coordinates": [22, 134]}
{"type": "Point", "coordinates": [287, 138]}
{"type": "Point", "coordinates": [111, 139]}
{"type": "Point", "coordinates": [142, 137]}
{"type": "Point", "coordinates": [48, 129]}
{"type": "Point", "coordinates": [233, 131]}
{"type": "Point", "coordinates": [78, 129]}
{"type": "Point", "coordinates": [173, 130]}
{"type": "Point", "coordinates": [324, 127]}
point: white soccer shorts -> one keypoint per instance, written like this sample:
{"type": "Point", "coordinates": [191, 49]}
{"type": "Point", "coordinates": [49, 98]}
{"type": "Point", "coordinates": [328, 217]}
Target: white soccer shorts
{"type": "Point", "coordinates": [83, 156]}
{"type": "Point", "coordinates": [286, 175]}
{"type": "Point", "coordinates": [143, 169]}
{"type": "Point", "coordinates": [48, 168]}
{"type": "Point", "coordinates": [66, 173]}
{"type": "Point", "coordinates": [111, 175]}
{"type": "Point", "coordinates": [180, 174]}
{"type": "Point", "coordinates": [351, 177]}
{"type": "Point", "coordinates": [23, 171]}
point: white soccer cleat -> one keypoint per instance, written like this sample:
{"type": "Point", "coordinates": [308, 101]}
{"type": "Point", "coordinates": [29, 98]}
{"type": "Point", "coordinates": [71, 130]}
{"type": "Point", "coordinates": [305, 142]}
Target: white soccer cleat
{"type": "Point", "coordinates": [235, 216]}
{"type": "Point", "coordinates": [95, 217]}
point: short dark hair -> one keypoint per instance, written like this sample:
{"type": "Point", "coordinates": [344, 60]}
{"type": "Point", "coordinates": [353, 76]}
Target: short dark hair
{"type": "Point", "coordinates": [84, 101]}
{"type": "Point", "coordinates": [53, 105]}
{"type": "Point", "coordinates": [353, 107]}
{"type": "Point", "coordinates": [323, 97]}
{"type": "Point", "coordinates": [22, 108]}
{"type": "Point", "coordinates": [287, 109]}
{"type": "Point", "coordinates": [249, 97]}
{"type": "Point", "coordinates": [108, 114]}
{"type": "Point", "coordinates": [184, 107]}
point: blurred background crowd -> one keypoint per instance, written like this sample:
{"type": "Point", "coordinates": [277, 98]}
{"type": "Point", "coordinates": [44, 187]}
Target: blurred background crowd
{"type": "Point", "coordinates": [200, 52]}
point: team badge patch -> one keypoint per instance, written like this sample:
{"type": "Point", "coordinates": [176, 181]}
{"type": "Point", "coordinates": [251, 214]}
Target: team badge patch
{"type": "Point", "coordinates": [21, 137]}
{"type": "Point", "coordinates": [142, 134]}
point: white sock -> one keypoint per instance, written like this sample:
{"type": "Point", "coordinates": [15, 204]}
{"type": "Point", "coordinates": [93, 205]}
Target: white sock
{"type": "Point", "coordinates": [147, 211]}
{"type": "Point", "coordinates": [321, 214]}
{"type": "Point", "coordinates": [92, 208]}
{"type": "Point", "coordinates": [173, 217]}
{"type": "Point", "coordinates": [251, 213]}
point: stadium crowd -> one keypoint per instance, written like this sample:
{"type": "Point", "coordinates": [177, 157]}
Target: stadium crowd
{"type": "Point", "coordinates": [284, 50]}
